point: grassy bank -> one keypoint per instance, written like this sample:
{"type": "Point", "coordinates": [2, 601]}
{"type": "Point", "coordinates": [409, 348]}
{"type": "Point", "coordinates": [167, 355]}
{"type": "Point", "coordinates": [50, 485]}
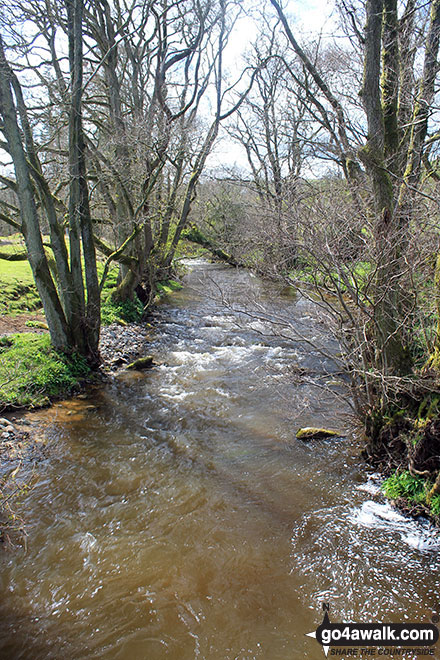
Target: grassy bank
{"type": "Point", "coordinates": [18, 291]}
{"type": "Point", "coordinates": [413, 494]}
{"type": "Point", "coordinates": [405, 447]}
{"type": "Point", "coordinates": [32, 373]}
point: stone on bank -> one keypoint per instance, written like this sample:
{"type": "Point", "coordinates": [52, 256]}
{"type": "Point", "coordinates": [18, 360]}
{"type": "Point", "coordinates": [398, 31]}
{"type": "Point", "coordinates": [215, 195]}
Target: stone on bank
{"type": "Point", "coordinates": [313, 433]}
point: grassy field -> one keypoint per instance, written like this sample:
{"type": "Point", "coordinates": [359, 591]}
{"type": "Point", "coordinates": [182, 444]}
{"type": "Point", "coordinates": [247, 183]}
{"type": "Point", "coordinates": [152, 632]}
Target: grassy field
{"type": "Point", "coordinates": [18, 291]}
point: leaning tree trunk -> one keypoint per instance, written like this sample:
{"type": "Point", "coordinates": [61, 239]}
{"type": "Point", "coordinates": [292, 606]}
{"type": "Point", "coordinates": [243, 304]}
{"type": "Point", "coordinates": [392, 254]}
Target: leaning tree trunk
{"type": "Point", "coordinates": [85, 319]}
{"type": "Point", "coordinates": [56, 320]}
{"type": "Point", "coordinates": [379, 158]}
{"type": "Point", "coordinates": [73, 322]}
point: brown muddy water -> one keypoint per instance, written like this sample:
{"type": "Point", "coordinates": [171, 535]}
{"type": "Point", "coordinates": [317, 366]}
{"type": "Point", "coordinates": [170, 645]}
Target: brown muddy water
{"type": "Point", "coordinates": [177, 516]}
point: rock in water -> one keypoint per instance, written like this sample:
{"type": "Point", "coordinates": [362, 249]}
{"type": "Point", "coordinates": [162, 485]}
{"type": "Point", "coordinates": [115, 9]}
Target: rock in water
{"type": "Point", "coordinates": [312, 433]}
{"type": "Point", "coordinates": [142, 363]}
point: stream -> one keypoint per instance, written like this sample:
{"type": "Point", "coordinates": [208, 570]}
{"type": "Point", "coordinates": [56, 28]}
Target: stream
{"type": "Point", "coordinates": [178, 517]}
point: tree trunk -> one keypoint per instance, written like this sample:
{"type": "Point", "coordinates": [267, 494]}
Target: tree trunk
{"type": "Point", "coordinates": [56, 320]}
{"type": "Point", "coordinates": [86, 317]}
{"type": "Point", "coordinates": [381, 109]}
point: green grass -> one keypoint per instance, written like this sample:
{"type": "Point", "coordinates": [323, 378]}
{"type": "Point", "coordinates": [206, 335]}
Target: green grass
{"type": "Point", "coordinates": [17, 286]}
{"type": "Point", "coordinates": [15, 270]}
{"type": "Point", "coordinates": [414, 489]}
{"type": "Point", "coordinates": [17, 298]}
{"type": "Point", "coordinates": [12, 244]}
{"type": "Point", "coordinates": [32, 372]}
{"type": "Point", "coordinates": [167, 287]}
{"type": "Point", "coordinates": [129, 311]}
{"type": "Point", "coordinates": [19, 293]}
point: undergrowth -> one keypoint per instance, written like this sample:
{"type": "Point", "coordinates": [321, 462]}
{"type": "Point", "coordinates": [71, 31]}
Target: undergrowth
{"type": "Point", "coordinates": [129, 311]}
{"type": "Point", "coordinates": [414, 489]}
{"type": "Point", "coordinates": [32, 372]}
{"type": "Point", "coordinates": [166, 287]}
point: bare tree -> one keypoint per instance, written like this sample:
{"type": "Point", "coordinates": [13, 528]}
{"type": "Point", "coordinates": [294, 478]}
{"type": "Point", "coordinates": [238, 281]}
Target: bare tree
{"type": "Point", "coordinates": [108, 143]}
{"type": "Point", "coordinates": [72, 318]}
{"type": "Point", "coordinates": [391, 154]}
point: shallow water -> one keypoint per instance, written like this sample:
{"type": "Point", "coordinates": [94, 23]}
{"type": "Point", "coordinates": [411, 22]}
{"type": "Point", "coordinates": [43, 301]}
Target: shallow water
{"type": "Point", "coordinates": [178, 517]}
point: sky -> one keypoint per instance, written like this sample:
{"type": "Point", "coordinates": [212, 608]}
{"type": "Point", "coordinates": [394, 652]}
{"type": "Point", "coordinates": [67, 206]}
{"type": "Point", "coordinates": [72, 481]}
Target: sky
{"type": "Point", "coordinates": [310, 18]}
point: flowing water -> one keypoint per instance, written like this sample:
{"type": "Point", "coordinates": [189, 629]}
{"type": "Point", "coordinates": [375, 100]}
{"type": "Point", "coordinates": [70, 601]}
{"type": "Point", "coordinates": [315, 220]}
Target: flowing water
{"type": "Point", "coordinates": [178, 517]}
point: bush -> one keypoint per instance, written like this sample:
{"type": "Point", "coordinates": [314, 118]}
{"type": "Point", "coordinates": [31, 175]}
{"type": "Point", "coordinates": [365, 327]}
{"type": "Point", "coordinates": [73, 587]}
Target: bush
{"type": "Point", "coordinates": [403, 484]}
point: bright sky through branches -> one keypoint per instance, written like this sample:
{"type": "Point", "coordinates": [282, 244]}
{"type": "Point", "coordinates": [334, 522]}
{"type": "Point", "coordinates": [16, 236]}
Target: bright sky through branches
{"type": "Point", "coordinates": [312, 19]}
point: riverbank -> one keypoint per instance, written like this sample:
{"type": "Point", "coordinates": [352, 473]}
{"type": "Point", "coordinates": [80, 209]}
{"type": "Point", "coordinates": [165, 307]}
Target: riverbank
{"type": "Point", "coordinates": [33, 376]}
{"type": "Point", "coordinates": [32, 373]}
{"type": "Point", "coordinates": [122, 343]}
{"type": "Point", "coordinates": [405, 449]}
{"type": "Point", "coordinates": [182, 494]}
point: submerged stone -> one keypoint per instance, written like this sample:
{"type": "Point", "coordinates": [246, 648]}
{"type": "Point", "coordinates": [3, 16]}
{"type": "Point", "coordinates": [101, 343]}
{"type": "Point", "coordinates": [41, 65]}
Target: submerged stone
{"type": "Point", "coordinates": [312, 433]}
{"type": "Point", "coordinates": [142, 363]}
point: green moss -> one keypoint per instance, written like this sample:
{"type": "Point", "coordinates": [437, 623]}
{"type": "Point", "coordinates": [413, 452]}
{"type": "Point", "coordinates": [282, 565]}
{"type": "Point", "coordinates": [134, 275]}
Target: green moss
{"type": "Point", "coordinates": [32, 372]}
{"type": "Point", "coordinates": [414, 489]}
{"type": "Point", "coordinates": [36, 324]}
{"type": "Point", "coordinates": [435, 505]}
{"type": "Point", "coordinates": [129, 311]}
{"type": "Point", "coordinates": [167, 287]}
{"type": "Point", "coordinates": [142, 363]}
{"type": "Point", "coordinates": [428, 408]}
{"type": "Point", "coordinates": [312, 433]}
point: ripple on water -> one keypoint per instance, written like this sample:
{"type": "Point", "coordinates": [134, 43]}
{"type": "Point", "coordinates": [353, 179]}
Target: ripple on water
{"type": "Point", "coordinates": [418, 535]}
{"type": "Point", "coordinates": [369, 560]}
{"type": "Point", "coordinates": [162, 526]}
